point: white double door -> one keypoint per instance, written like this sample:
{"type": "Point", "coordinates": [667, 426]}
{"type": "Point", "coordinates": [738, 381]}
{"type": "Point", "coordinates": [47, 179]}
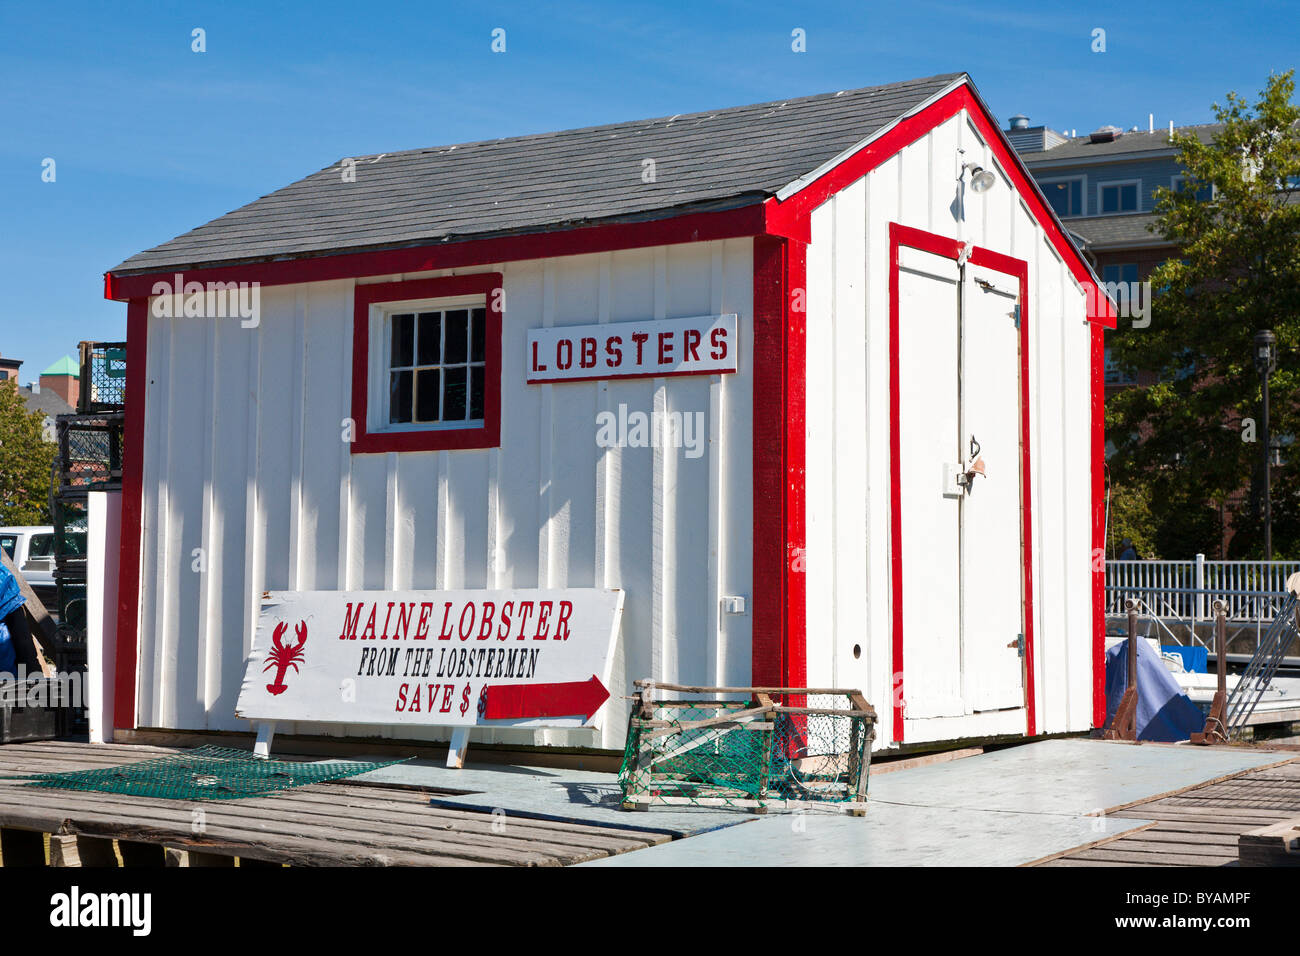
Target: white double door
{"type": "Point", "coordinates": [962, 559]}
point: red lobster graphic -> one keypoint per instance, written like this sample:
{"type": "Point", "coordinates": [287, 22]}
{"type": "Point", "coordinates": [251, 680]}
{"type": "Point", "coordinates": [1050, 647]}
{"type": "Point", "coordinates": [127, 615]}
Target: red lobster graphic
{"type": "Point", "coordinates": [282, 658]}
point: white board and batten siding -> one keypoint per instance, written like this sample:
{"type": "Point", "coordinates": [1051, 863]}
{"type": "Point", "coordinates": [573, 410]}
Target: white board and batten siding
{"type": "Point", "coordinates": [288, 507]}
{"type": "Point", "coordinates": [848, 447]}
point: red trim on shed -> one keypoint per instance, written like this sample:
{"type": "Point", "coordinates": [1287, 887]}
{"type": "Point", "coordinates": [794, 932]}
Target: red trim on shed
{"type": "Point", "coordinates": [748, 220]}
{"type": "Point", "coordinates": [128, 587]}
{"type": "Point", "coordinates": [949, 248]}
{"type": "Point", "coordinates": [487, 436]}
{"type": "Point", "coordinates": [790, 216]}
{"type": "Point", "coordinates": [780, 646]}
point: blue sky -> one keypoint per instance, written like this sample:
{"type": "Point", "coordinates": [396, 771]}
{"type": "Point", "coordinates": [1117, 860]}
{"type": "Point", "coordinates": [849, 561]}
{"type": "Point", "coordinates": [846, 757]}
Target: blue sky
{"type": "Point", "coordinates": [151, 139]}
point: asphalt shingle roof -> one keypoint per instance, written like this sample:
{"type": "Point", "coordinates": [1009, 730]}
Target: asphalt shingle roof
{"type": "Point", "coordinates": [1081, 148]}
{"type": "Point", "coordinates": [46, 401]}
{"type": "Point", "coordinates": [1101, 231]}
{"type": "Point", "coordinates": [712, 160]}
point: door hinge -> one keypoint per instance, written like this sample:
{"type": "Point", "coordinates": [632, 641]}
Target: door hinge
{"type": "Point", "coordinates": [1016, 315]}
{"type": "Point", "coordinates": [1019, 644]}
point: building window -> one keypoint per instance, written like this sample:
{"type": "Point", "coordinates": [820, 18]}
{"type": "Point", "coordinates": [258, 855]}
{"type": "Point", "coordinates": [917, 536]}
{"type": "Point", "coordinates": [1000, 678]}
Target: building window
{"type": "Point", "coordinates": [1065, 196]}
{"type": "Point", "coordinates": [1118, 197]}
{"type": "Point", "coordinates": [1182, 184]}
{"type": "Point", "coordinates": [437, 366]}
{"type": "Point", "coordinates": [1126, 272]}
{"type": "Point", "coordinates": [426, 364]}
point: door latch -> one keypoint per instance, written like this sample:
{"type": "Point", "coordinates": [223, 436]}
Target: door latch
{"type": "Point", "coordinates": [976, 466]}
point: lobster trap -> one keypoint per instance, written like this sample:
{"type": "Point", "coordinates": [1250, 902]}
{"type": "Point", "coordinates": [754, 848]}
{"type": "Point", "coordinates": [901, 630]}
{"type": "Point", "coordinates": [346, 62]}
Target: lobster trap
{"type": "Point", "coordinates": [766, 747]}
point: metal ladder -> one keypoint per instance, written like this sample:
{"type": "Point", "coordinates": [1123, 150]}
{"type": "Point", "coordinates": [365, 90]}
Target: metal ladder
{"type": "Point", "coordinates": [1258, 675]}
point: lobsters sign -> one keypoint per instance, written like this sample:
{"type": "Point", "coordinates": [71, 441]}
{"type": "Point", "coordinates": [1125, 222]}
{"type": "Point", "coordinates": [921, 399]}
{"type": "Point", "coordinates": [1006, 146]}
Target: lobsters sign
{"type": "Point", "coordinates": [443, 658]}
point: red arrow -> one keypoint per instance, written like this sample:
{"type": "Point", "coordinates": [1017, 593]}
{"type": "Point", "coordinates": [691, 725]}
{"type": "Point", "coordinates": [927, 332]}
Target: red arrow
{"type": "Point", "coordinates": [514, 701]}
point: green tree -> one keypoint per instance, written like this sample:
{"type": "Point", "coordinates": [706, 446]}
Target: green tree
{"type": "Point", "coordinates": [1188, 438]}
{"type": "Point", "coordinates": [26, 460]}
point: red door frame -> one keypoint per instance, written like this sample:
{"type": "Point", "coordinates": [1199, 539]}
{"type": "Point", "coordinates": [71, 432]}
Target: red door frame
{"type": "Point", "coordinates": [899, 236]}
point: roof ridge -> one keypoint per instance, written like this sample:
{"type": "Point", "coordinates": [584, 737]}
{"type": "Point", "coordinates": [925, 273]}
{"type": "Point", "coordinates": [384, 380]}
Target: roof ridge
{"type": "Point", "coordinates": [646, 121]}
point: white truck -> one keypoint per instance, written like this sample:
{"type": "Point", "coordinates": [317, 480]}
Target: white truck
{"type": "Point", "coordinates": [31, 549]}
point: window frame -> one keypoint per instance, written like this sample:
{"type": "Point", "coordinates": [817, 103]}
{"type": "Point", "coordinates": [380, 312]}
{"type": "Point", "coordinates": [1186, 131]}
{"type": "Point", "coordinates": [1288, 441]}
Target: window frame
{"type": "Point", "coordinates": [1137, 183]}
{"type": "Point", "coordinates": [373, 304]}
{"type": "Point", "coordinates": [1182, 178]}
{"type": "Point", "coordinates": [1081, 179]}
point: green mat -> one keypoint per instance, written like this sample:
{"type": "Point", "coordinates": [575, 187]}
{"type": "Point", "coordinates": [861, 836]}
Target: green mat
{"type": "Point", "coordinates": [206, 773]}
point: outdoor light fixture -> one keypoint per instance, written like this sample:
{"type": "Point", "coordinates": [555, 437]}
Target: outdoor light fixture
{"type": "Point", "coordinates": [1265, 359]}
{"type": "Point", "coordinates": [981, 179]}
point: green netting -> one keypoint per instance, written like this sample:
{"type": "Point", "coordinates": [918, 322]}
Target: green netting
{"type": "Point", "coordinates": [206, 773]}
{"type": "Point", "coordinates": [735, 753]}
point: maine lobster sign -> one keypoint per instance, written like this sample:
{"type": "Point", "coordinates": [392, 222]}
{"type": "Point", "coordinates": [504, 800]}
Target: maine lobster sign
{"type": "Point", "coordinates": [442, 658]}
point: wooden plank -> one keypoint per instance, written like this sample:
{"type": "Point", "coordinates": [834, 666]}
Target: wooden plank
{"type": "Point", "coordinates": [1276, 845]}
{"type": "Point", "coordinates": [346, 802]}
{"type": "Point", "coordinates": [63, 851]}
{"type": "Point", "coordinates": [196, 858]}
{"type": "Point", "coordinates": [256, 827]}
{"type": "Point", "coordinates": [1141, 845]}
{"type": "Point", "coordinates": [1183, 826]}
{"type": "Point", "coordinates": [259, 835]}
{"type": "Point", "coordinates": [1108, 855]}
{"type": "Point", "coordinates": [1156, 835]}
{"type": "Point", "coordinates": [1072, 861]}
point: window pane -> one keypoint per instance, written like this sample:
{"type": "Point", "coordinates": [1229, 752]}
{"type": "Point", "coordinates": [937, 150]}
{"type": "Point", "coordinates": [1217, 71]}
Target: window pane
{"type": "Point", "coordinates": [1058, 197]}
{"type": "Point", "coordinates": [453, 395]}
{"type": "Point", "coordinates": [1129, 197]}
{"type": "Point", "coordinates": [399, 397]}
{"type": "Point", "coordinates": [457, 336]}
{"type": "Point", "coordinates": [478, 337]}
{"type": "Point", "coordinates": [403, 340]}
{"type": "Point", "coordinates": [1130, 273]}
{"type": "Point", "coordinates": [1076, 197]}
{"type": "Point", "coordinates": [427, 387]}
{"type": "Point", "coordinates": [1110, 199]}
{"type": "Point", "coordinates": [430, 337]}
{"type": "Point", "coordinates": [477, 378]}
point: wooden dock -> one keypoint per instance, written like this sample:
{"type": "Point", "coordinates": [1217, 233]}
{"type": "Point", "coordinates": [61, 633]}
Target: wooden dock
{"type": "Point", "coordinates": [1206, 825]}
{"type": "Point", "coordinates": [342, 823]}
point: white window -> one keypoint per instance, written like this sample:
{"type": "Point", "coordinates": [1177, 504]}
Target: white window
{"type": "Point", "coordinates": [434, 370]}
{"type": "Point", "coordinates": [1121, 196]}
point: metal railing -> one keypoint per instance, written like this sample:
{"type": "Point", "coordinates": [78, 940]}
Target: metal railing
{"type": "Point", "coordinates": [1187, 590]}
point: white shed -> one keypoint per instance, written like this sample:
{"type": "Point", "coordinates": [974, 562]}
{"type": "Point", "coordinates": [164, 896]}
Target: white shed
{"type": "Point", "coordinates": [852, 434]}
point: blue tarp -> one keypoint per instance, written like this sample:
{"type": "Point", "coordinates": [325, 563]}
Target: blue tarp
{"type": "Point", "coordinates": [1164, 712]}
{"type": "Point", "coordinates": [8, 659]}
{"type": "Point", "coordinates": [10, 599]}
{"type": "Point", "coordinates": [1196, 660]}
{"type": "Point", "coordinates": [10, 596]}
